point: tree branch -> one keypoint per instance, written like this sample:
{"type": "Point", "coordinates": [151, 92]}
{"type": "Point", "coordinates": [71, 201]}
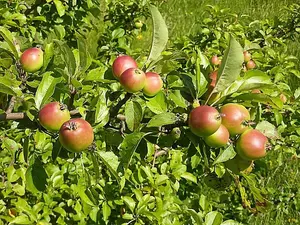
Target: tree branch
{"type": "Point", "coordinates": [114, 110]}
{"type": "Point", "coordinates": [21, 115]}
{"type": "Point", "coordinates": [11, 105]}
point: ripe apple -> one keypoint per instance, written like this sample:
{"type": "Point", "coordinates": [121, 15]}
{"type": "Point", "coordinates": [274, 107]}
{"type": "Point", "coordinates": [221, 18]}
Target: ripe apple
{"type": "Point", "coordinates": [251, 145]}
{"type": "Point", "coordinates": [153, 84]}
{"type": "Point", "coordinates": [133, 80]}
{"type": "Point", "coordinates": [122, 63]}
{"type": "Point", "coordinates": [218, 139]}
{"type": "Point", "coordinates": [247, 56]}
{"type": "Point", "coordinates": [238, 164]}
{"type": "Point", "coordinates": [32, 59]}
{"type": "Point", "coordinates": [250, 65]}
{"type": "Point", "coordinates": [53, 115]}
{"type": "Point", "coordinates": [204, 120]}
{"type": "Point", "coordinates": [215, 60]}
{"type": "Point", "coordinates": [234, 118]}
{"type": "Point", "coordinates": [76, 135]}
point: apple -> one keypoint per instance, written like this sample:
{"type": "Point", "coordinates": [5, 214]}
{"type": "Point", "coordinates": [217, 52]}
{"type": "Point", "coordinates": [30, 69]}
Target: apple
{"type": "Point", "coordinates": [234, 118]}
{"type": "Point", "coordinates": [247, 56]}
{"type": "Point", "coordinates": [218, 139]}
{"type": "Point", "coordinates": [204, 120]}
{"type": "Point", "coordinates": [250, 65]}
{"type": "Point", "coordinates": [153, 84]}
{"type": "Point", "coordinates": [252, 145]}
{"type": "Point", "coordinates": [32, 59]}
{"type": "Point", "coordinates": [53, 115]}
{"type": "Point", "coordinates": [133, 80]}
{"type": "Point", "coordinates": [121, 64]}
{"type": "Point", "coordinates": [76, 135]}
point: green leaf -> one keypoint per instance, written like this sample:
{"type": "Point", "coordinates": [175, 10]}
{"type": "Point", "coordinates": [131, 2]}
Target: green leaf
{"type": "Point", "coordinates": [36, 177]}
{"type": "Point", "coordinates": [255, 79]}
{"type": "Point", "coordinates": [189, 176]}
{"type": "Point", "coordinates": [48, 55]}
{"type": "Point", "coordinates": [10, 144]}
{"type": "Point", "coordinates": [213, 218]}
{"type": "Point", "coordinates": [6, 62]}
{"type": "Point", "coordinates": [84, 55]}
{"type": "Point", "coordinates": [68, 57]}
{"type": "Point", "coordinates": [204, 203]}
{"type": "Point", "coordinates": [162, 119]}
{"type": "Point", "coordinates": [106, 211]}
{"type": "Point", "coordinates": [59, 7]}
{"type": "Point", "coordinates": [230, 222]}
{"type": "Point", "coordinates": [118, 33]}
{"type": "Point", "coordinates": [177, 98]}
{"type": "Point", "coordinates": [8, 86]}
{"type": "Point", "coordinates": [197, 218]}
{"type": "Point", "coordinates": [225, 155]}
{"type": "Point", "coordinates": [159, 34]}
{"type": "Point", "coordinates": [96, 74]}
{"type": "Point", "coordinates": [8, 38]}
{"type": "Point", "coordinates": [133, 114]}
{"type": "Point", "coordinates": [26, 149]}
{"type": "Point", "coordinates": [129, 202]}
{"type": "Point", "coordinates": [45, 89]}
{"type": "Point", "coordinates": [201, 82]}
{"type": "Point", "coordinates": [102, 111]}
{"type": "Point", "coordinates": [22, 219]}
{"type": "Point", "coordinates": [158, 104]}
{"type": "Point", "coordinates": [95, 165]}
{"type": "Point", "coordinates": [129, 146]}
{"type": "Point", "coordinates": [268, 129]}
{"type": "Point", "coordinates": [231, 66]}
{"type": "Point", "coordinates": [111, 161]}
{"type": "Point", "coordinates": [262, 98]}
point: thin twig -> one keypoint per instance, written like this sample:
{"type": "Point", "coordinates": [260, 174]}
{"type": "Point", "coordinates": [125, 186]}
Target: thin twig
{"type": "Point", "coordinates": [11, 105]}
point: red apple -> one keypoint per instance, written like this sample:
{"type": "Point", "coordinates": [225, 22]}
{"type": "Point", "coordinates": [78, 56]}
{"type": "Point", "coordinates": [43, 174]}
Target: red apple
{"type": "Point", "coordinates": [133, 80]}
{"type": "Point", "coordinates": [204, 120]}
{"type": "Point", "coordinates": [32, 59]}
{"type": "Point", "coordinates": [234, 118]}
{"type": "Point", "coordinates": [121, 64]}
{"type": "Point", "coordinates": [251, 145]}
{"type": "Point", "coordinates": [250, 65]}
{"type": "Point", "coordinates": [247, 56]}
{"type": "Point", "coordinates": [53, 115]}
{"type": "Point", "coordinates": [153, 84]}
{"type": "Point", "coordinates": [218, 139]}
{"type": "Point", "coordinates": [76, 135]}
{"type": "Point", "coordinates": [215, 60]}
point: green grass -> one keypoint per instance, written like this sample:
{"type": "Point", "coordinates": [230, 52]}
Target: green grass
{"type": "Point", "coordinates": [182, 15]}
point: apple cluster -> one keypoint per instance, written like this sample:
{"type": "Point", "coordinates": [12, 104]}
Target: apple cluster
{"type": "Point", "coordinates": [248, 61]}
{"type": "Point", "coordinates": [233, 121]}
{"type": "Point", "coordinates": [75, 134]}
{"type": "Point", "coordinates": [133, 79]}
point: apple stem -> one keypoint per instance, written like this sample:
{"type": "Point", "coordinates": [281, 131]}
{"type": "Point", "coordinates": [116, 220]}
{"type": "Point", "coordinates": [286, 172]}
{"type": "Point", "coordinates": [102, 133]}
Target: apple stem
{"type": "Point", "coordinates": [218, 117]}
{"type": "Point", "coordinates": [62, 106]}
